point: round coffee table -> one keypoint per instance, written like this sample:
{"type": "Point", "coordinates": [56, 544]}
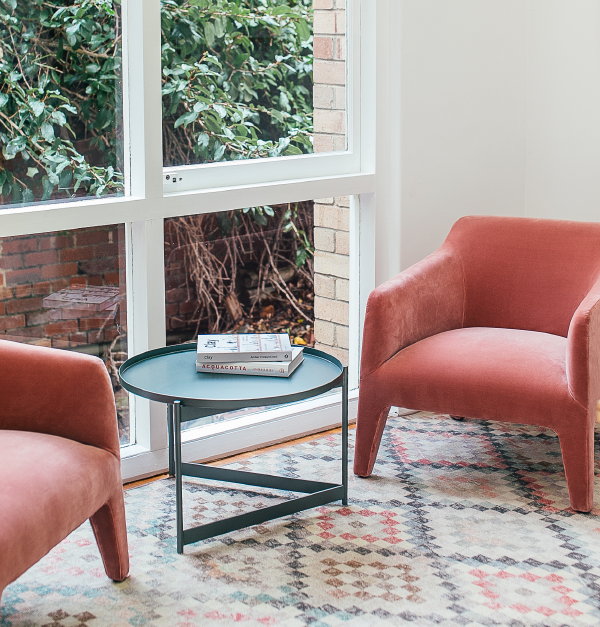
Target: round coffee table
{"type": "Point", "coordinates": [168, 375]}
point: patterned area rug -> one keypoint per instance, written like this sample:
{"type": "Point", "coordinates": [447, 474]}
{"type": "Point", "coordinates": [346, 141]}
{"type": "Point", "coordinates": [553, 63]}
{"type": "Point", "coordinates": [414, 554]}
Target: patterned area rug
{"type": "Point", "coordinates": [463, 523]}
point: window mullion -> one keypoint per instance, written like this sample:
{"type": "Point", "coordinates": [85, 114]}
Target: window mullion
{"type": "Point", "coordinates": [145, 241]}
{"type": "Point", "coordinates": [143, 121]}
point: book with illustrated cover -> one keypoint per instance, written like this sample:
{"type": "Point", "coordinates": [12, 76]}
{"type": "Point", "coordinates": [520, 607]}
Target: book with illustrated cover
{"type": "Point", "coordinates": [263, 368]}
{"type": "Point", "coordinates": [244, 347]}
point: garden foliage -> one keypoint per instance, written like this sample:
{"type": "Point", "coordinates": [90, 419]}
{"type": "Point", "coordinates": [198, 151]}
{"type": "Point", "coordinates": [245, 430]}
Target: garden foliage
{"type": "Point", "coordinates": [237, 83]}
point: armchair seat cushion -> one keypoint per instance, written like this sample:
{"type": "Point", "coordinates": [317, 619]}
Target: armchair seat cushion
{"type": "Point", "coordinates": [483, 372]}
{"type": "Point", "coordinates": [49, 486]}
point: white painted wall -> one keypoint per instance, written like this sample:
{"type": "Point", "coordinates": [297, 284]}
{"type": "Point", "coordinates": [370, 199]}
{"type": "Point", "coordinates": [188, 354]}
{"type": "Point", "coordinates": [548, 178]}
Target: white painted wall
{"type": "Point", "coordinates": [563, 109]}
{"type": "Point", "coordinates": [463, 116]}
{"type": "Point", "coordinates": [499, 110]}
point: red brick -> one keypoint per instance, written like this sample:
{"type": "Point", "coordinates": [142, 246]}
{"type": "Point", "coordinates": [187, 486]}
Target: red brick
{"type": "Point", "coordinates": [78, 253]}
{"type": "Point", "coordinates": [55, 242]}
{"type": "Point", "coordinates": [95, 236]}
{"type": "Point", "coordinates": [86, 324]}
{"type": "Point", "coordinates": [108, 335]}
{"type": "Point", "coordinates": [61, 328]}
{"type": "Point", "coordinates": [2, 309]}
{"type": "Point", "coordinates": [6, 292]}
{"type": "Point", "coordinates": [1, 280]}
{"type": "Point", "coordinates": [107, 250]}
{"type": "Point", "coordinates": [12, 322]}
{"type": "Point", "coordinates": [172, 309]}
{"type": "Point", "coordinates": [60, 342]}
{"type": "Point", "coordinates": [78, 281]}
{"type": "Point", "coordinates": [25, 335]}
{"type": "Point", "coordinates": [40, 258]}
{"type": "Point", "coordinates": [11, 262]}
{"type": "Point", "coordinates": [77, 339]}
{"type": "Point", "coordinates": [176, 295]}
{"type": "Point", "coordinates": [113, 278]}
{"type": "Point", "coordinates": [28, 275]}
{"type": "Point", "coordinates": [20, 245]}
{"type": "Point", "coordinates": [23, 291]}
{"type": "Point", "coordinates": [323, 47]}
{"type": "Point", "coordinates": [188, 307]}
{"type": "Point", "coordinates": [59, 270]}
{"type": "Point", "coordinates": [95, 280]}
{"type": "Point", "coordinates": [44, 288]}
{"type": "Point", "coordinates": [21, 305]}
{"type": "Point", "coordinates": [99, 266]}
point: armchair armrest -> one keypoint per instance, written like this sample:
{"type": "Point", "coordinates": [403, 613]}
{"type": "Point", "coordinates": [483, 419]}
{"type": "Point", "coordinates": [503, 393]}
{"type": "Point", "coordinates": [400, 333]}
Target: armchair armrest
{"type": "Point", "coordinates": [425, 299]}
{"type": "Point", "coordinates": [583, 352]}
{"type": "Point", "coordinates": [57, 392]}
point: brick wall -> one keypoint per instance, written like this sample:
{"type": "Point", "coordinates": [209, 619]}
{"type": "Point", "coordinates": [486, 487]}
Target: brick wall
{"type": "Point", "coordinates": [329, 75]}
{"type": "Point", "coordinates": [33, 267]}
{"type": "Point", "coordinates": [331, 234]}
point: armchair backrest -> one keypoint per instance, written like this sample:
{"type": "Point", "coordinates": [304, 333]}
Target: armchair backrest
{"type": "Point", "coordinates": [525, 273]}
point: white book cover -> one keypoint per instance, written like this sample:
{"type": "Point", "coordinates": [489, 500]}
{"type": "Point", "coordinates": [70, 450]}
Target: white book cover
{"type": "Point", "coordinates": [264, 368]}
{"type": "Point", "coordinates": [226, 348]}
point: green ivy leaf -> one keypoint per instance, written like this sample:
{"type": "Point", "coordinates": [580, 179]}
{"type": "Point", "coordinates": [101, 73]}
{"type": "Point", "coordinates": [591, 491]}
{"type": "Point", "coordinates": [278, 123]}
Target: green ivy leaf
{"type": "Point", "coordinates": [303, 30]}
{"type": "Point", "coordinates": [13, 147]}
{"type": "Point", "coordinates": [37, 107]}
{"type": "Point", "coordinates": [209, 34]}
{"type": "Point", "coordinates": [59, 117]}
{"type": "Point", "coordinates": [186, 119]}
{"type": "Point", "coordinates": [47, 131]}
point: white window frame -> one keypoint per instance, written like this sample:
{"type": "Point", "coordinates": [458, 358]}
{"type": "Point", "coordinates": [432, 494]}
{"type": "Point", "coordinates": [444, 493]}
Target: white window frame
{"type": "Point", "coordinates": [232, 185]}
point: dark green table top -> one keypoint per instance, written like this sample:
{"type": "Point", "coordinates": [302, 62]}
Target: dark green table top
{"type": "Point", "coordinates": [169, 374]}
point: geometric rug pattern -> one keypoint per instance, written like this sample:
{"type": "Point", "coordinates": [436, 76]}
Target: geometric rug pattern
{"type": "Point", "coordinates": [462, 523]}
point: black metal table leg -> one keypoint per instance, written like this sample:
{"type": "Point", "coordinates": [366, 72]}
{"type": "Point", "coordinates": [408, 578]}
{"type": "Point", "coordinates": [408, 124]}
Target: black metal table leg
{"type": "Point", "coordinates": [178, 474]}
{"type": "Point", "coordinates": [171, 436]}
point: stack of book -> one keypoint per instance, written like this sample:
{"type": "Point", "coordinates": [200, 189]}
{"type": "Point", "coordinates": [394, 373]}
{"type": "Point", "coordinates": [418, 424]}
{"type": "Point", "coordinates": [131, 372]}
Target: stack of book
{"type": "Point", "coordinates": [266, 354]}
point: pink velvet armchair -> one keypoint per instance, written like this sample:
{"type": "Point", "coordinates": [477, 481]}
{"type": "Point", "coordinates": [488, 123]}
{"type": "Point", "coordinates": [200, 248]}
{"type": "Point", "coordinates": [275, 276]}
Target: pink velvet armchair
{"type": "Point", "coordinates": [502, 322]}
{"type": "Point", "coordinates": [59, 453]}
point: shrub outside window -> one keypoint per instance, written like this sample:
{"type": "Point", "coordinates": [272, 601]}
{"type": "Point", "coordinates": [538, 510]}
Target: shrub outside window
{"type": "Point", "coordinates": [61, 129]}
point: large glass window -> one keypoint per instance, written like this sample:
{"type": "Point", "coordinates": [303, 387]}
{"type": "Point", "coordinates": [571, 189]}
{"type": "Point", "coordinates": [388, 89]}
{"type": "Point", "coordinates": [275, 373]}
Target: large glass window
{"type": "Point", "coordinates": [252, 90]}
{"type": "Point", "coordinates": [251, 78]}
{"type": "Point", "coordinates": [60, 100]}
{"type": "Point", "coordinates": [67, 290]}
{"type": "Point", "coordinates": [269, 269]}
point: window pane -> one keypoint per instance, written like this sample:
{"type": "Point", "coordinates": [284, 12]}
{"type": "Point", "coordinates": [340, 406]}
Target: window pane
{"type": "Point", "coordinates": [67, 290]}
{"type": "Point", "coordinates": [252, 78]}
{"type": "Point", "coordinates": [60, 100]}
{"type": "Point", "coordinates": [263, 269]}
